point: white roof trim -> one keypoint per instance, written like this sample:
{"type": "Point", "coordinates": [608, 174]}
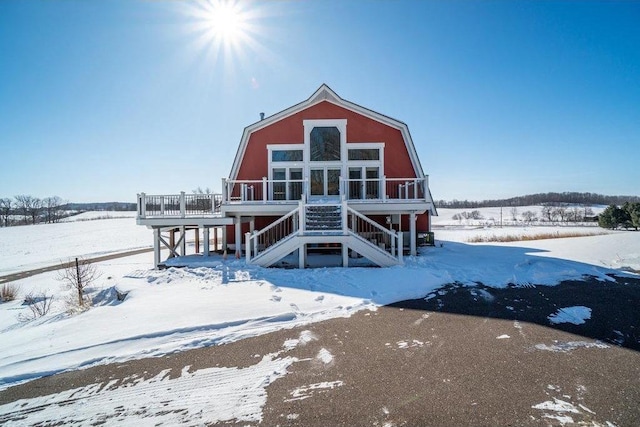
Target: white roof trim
{"type": "Point", "coordinates": [325, 93]}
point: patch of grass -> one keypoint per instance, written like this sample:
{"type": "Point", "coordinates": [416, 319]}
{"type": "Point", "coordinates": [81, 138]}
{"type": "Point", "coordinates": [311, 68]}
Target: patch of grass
{"type": "Point", "coordinates": [526, 237]}
{"type": "Point", "coordinates": [8, 292]}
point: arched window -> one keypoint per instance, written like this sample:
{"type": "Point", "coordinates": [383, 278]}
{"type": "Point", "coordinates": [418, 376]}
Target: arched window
{"type": "Point", "coordinates": [324, 144]}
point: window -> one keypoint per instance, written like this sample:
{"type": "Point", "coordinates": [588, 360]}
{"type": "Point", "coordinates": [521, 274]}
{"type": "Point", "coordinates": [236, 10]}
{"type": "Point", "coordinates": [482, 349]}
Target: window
{"type": "Point", "coordinates": [364, 154]}
{"type": "Point", "coordinates": [295, 184]}
{"type": "Point", "coordinates": [279, 188]}
{"type": "Point", "coordinates": [286, 155]}
{"type": "Point", "coordinates": [325, 144]}
{"type": "Point", "coordinates": [287, 188]}
{"type": "Point", "coordinates": [373, 183]}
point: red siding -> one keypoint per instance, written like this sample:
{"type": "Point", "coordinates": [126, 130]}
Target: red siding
{"type": "Point", "coordinates": [290, 130]}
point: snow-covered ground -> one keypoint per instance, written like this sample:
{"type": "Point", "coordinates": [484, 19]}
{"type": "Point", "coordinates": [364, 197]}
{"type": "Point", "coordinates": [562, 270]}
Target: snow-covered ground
{"type": "Point", "coordinates": [506, 216]}
{"type": "Point", "coordinates": [28, 247]}
{"type": "Point", "coordinates": [216, 301]}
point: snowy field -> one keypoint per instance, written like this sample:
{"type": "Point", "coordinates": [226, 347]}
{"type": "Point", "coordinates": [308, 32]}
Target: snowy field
{"type": "Point", "coordinates": [216, 301]}
{"type": "Point", "coordinates": [29, 247]}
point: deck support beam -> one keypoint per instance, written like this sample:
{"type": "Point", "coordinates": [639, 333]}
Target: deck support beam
{"type": "Point", "coordinates": [412, 233]}
{"type": "Point", "coordinates": [345, 255]}
{"type": "Point", "coordinates": [206, 241]}
{"type": "Point", "coordinates": [156, 247]}
{"type": "Point", "coordinates": [183, 241]}
{"type": "Point", "coordinates": [224, 238]}
{"type": "Point", "coordinates": [238, 237]}
{"type": "Point", "coordinates": [302, 256]}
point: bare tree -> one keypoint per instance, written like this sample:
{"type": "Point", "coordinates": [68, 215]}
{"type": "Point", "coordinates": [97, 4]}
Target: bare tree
{"type": "Point", "coordinates": [514, 213]}
{"type": "Point", "coordinates": [78, 275]}
{"type": "Point", "coordinates": [547, 213]}
{"type": "Point", "coordinates": [575, 214]}
{"type": "Point", "coordinates": [476, 215]}
{"type": "Point", "coordinates": [529, 216]}
{"type": "Point", "coordinates": [199, 190]}
{"type": "Point", "coordinates": [23, 205]}
{"type": "Point", "coordinates": [35, 210]}
{"type": "Point", "coordinates": [39, 304]}
{"type": "Point", "coordinates": [587, 212]}
{"type": "Point", "coordinates": [52, 207]}
{"type": "Point", "coordinates": [560, 212]}
{"type": "Point", "coordinates": [5, 210]}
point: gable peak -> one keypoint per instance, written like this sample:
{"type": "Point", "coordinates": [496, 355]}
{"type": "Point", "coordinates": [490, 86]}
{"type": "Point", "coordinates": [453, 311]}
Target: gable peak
{"type": "Point", "coordinates": [324, 93]}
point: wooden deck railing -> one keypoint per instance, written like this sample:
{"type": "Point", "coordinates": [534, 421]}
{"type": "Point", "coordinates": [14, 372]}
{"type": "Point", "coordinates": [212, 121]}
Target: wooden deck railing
{"type": "Point", "coordinates": [282, 191]}
{"type": "Point", "coordinates": [183, 205]}
{"type": "Point", "coordinates": [178, 205]}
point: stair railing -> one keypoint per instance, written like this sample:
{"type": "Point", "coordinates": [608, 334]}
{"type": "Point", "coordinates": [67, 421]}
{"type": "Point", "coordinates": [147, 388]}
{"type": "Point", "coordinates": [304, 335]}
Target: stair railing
{"type": "Point", "coordinates": [387, 240]}
{"type": "Point", "coordinates": [260, 240]}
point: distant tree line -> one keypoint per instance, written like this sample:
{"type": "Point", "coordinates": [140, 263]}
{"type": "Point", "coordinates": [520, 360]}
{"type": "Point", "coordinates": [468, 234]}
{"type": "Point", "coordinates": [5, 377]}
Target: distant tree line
{"type": "Point", "coordinates": [551, 199]}
{"type": "Point", "coordinates": [552, 214]}
{"type": "Point", "coordinates": [26, 209]}
{"type": "Point", "coordinates": [101, 206]}
{"type": "Point", "coordinates": [627, 216]}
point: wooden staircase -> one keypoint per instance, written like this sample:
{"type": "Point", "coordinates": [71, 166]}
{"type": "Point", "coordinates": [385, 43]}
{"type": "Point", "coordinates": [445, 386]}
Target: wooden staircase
{"type": "Point", "coordinates": [313, 223]}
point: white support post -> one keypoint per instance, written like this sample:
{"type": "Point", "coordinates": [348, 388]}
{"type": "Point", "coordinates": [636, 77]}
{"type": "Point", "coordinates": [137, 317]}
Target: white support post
{"type": "Point", "coordinates": [344, 214]}
{"type": "Point", "coordinates": [252, 225]}
{"type": "Point", "coordinates": [247, 243]}
{"type": "Point", "coordinates": [255, 246]}
{"type": "Point", "coordinates": [400, 248]}
{"type": "Point", "coordinates": [224, 190]}
{"type": "Point", "coordinates": [206, 241]}
{"type": "Point", "coordinates": [183, 205]}
{"type": "Point", "coordinates": [183, 240]}
{"type": "Point", "coordinates": [156, 247]}
{"type": "Point", "coordinates": [412, 233]}
{"type": "Point", "coordinates": [264, 189]}
{"type": "Point", "coordinates": [162, 205]}
{"type": "Point", "coordinates": [345, 255]}
{"type": "Point", "coordinates": [406, 190]}
{"type": "Point", "coordinates": [415, 188]}
{"type": "Point", "coordinates": [238, 237]}
{"type": "Point", "coordinates": [393, 244]}
{"type": "Point", "coordinates": [384, 188]}
{"type": "Point", "coordinates": [301, 209]}
{"type": "Point", "coordinates": [142, 209]}
{"type": "Point", "coordinates": [302, 255]}
{"type": "Point", "coordinates": [213, 203]}
{"type": "Point", "coordinates": [224, 238]}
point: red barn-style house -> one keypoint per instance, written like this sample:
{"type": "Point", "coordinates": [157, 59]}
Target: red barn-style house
{"type": "Point", "coordinates": [325, 175]}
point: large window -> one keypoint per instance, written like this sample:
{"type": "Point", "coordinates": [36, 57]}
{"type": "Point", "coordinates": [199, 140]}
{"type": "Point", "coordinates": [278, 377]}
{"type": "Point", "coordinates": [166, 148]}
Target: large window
{"type": "Point", "coordinates": [287, 183]}
{"type": "Point", "coordinates": [286, 155]}
{"type": "Point", "coordinates": [324, 144]}
{"type": "Point", "coordinates": [364, 154]}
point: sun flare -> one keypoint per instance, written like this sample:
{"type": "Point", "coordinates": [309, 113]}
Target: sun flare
{"type": "Point", "coordinates": [226, 21]}
{"type": "Point", "coordinates": [226, 35]}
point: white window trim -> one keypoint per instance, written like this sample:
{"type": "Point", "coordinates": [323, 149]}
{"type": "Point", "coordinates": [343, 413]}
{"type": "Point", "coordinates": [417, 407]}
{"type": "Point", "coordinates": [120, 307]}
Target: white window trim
{"type": "Point", "coordinates": [344, 164]}
{"type": "Point", "coordinates": [287, 165]}
{"type": "Point", "coordinates": [366, 145]}
{"type": "Point", "coordinates": [341, 124]}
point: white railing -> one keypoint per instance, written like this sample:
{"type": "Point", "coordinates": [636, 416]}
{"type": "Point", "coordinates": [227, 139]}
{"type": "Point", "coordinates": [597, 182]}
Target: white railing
{"type": "Point", "coordinates": [291, 190]}
{"type": "Point", "coordinates": [387, 240]}
{"type": "Point", "coordinates": [375, 189]}
{"type": "Point", "coordinates": [178, 205]}
{"type": "Point", "coordinates": [259, 241]}
{"type": "Point", "coordinates": [293, 224]}
{"type": "Point", "coordinates": [263, 190]}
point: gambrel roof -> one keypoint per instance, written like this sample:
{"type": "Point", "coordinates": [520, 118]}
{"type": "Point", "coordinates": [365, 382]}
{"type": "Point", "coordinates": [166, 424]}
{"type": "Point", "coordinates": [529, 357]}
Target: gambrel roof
{"type": "Point", "coordinates": [325, 93]}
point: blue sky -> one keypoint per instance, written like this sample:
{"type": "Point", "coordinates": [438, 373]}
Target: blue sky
{"type": "Point", "coordinates": [100, 100]}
